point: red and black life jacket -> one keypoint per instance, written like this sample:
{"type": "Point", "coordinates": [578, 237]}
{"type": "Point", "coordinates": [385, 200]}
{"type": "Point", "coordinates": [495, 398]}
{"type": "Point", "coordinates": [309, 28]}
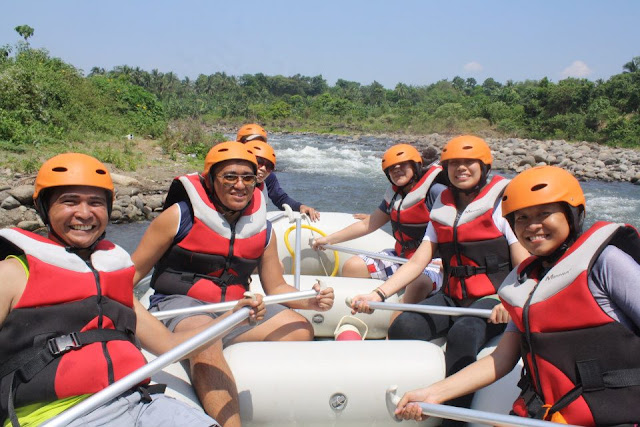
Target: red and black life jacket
{"type": "Point", "coordinates": [409, 213]}
{"type": "Point", "coordinates": [580, 362]}
{"type": "Point", "coordinates": [475, 253]}
{"type": "Point", "coordinates": [72, 331]}
{"type": "Point", "coordinates": [215, 260]}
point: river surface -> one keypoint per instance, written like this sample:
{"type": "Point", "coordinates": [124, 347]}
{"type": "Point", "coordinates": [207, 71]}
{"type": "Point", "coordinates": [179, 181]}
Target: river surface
{"type": "Point", "coordinates": [338, 176]}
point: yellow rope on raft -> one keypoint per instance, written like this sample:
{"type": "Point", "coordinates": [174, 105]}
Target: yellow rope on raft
{"type": "Point", "coordinates": [336, 261]}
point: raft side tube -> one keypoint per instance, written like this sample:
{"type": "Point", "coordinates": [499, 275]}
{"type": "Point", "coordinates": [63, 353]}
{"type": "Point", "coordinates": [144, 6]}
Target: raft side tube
{"type": "Point", "coordinates": [322, 383]}
{"type": "Point", "coordinates": [325, 323]}
{"type": "Point", "coordinates": [499, 396]}
{"type": "Point", "coordinates": [329, 222]}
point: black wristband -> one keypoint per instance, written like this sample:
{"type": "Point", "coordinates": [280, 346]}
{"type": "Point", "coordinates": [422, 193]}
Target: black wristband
{"type": "Point", "coordinates": [380, 294]}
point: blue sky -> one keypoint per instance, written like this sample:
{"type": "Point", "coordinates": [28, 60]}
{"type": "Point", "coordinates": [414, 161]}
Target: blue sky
{"type": "Point", "coordinates": [413, 42]}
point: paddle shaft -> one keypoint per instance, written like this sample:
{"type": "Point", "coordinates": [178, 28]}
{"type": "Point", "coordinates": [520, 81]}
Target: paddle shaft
{"type": "Point", "coordinates": [134, 378]}
{"type": "Point", "coordinates": [482, 417]}
{"type": "Point", "coordinates": [375, 255]}
{"type": "Point", "coordinates": [225, 306]}
{"type": "Point", "coordinates": [431, 309]}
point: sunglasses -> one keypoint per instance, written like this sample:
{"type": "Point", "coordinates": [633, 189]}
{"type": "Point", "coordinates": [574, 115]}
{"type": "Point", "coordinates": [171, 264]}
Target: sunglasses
{"type": "Point", "coordinates": [231, 179]}
{"type": "Point", "coordinates": [248, 138]}
{"type": "Point", "coordinates": [266, 163]}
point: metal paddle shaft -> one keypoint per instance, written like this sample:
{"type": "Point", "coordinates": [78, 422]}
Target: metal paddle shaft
{"type": "Point", "coordinates": [482, 417]}
{"type": "Point", "coordinates": [126, 383]}
{"type": "Point", "coordinates": [431, 309]}
{"type": "Point", "coordinates": [225, 306]}
{"type": "Point", "coordinates": [298, 257]}
{"type": "Point", "coordinates": [469, 415]}
{"type": "Point", "coordinates": [375, 255]}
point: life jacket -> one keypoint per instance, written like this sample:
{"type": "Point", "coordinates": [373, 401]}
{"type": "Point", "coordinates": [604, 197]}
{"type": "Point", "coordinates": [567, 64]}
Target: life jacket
{"type": "Point", "coordinates": [72, 331]}
{"type": "Point", "coordinates": [215, 259]}
{"type": "Point", "coordinates": [582, 366]}
{"type": "Point", "coordinates": [263, 188]}
{"type": "Point", "coordinates": [475, 253]}
{"type": "Point", "coordinates": [409, 213]}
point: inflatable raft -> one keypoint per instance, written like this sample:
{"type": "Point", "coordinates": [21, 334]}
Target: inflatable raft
{"type": "Point", "coordinates": [330, 382]}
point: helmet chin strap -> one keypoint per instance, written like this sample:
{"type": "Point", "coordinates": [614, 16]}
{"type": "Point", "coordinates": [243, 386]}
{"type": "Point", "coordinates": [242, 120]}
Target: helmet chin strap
{"type": "Point", "coordinates": [415, 178]}
{"type": "Point", "coordinates": [73, 249]}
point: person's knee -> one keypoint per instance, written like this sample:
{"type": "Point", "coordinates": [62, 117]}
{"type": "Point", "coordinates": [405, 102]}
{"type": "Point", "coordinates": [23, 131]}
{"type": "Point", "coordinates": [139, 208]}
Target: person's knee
{"type": "Point", "coordinates": [467, 333]}
{"type": "Point", "coordinates": [355, 267]}
{"type": "Point", "coordinates": [408, 326]}
{"type": "Point", "coordinates": [290, 326]}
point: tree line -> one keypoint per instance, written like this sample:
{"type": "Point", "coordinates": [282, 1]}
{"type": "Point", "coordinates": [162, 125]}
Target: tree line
{"type": "Point", "coordinates": [45, 100]}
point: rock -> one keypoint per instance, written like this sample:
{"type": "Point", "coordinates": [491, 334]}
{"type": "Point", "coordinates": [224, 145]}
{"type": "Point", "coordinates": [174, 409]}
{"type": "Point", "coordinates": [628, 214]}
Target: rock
{"type": "Point", "coordinates": [540, 155]}
{"type": "Point", "coordinates": [9, 203]}
{"type": "Point", "coordinates": [124, 180]}
{"type": "Point", "coordinates": [528, 160]}
{"type": "Point", "coordinates": [154, 201]}
{"type": "Point", "coordinates": [137, 201]}
{"type": "Point", "coordinates": [29, 225]}
{"type": "Point", "coordinates": [116, 215]}
{"type": "Point", "coordinates": [23, 194]}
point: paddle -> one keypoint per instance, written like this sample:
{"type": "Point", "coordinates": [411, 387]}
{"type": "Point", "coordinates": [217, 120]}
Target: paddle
{"type": "Point", "coordinates": [225, 306]}
{"type": "Point", "coordinates": [467, 415]}
{"type": "Point", "coordinates": [428, 309]}
{"type": "Point", "coordinates": [375, 255]}
{"type": "Point", "coordinates": [134, 378]}
{"type": "Point", "coordinates": [164, 360]}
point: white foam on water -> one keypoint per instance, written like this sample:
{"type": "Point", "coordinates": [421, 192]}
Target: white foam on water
{"type": "Point", "coordinates": [612, 208]}
{"type": "Point", "coordinates": [351, 161]}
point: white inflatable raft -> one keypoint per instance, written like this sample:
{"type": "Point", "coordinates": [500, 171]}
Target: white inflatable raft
{"type": "Point", "coordinates": [327, 382]}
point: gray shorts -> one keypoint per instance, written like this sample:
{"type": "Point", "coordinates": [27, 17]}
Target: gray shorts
{"type": "Point", "coordinates": [174, 302]}
{"type": "Point", "coordinates": [130, 410]}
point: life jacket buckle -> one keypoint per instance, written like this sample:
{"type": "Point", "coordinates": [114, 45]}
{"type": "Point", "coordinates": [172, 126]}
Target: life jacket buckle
{"type": "Point", "coordinates": [464, 270]}
{"type": "Point", "coordinates": [63, 343]}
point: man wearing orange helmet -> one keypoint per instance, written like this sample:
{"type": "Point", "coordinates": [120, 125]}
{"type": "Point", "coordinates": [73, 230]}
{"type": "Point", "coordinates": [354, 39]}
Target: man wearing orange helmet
{"type": "Point", "coordinates": [206, 244]}
{"type": "Point", "coordinates": [69, 323]}
{"type": "Point", "coordinates": [406, 204]}
{"type": "Point", "coordinates": [254, 132]}
{"type": "Point", "coordinates": [478, 249]}
{"type": "Point", "coordinates": [581, 362]}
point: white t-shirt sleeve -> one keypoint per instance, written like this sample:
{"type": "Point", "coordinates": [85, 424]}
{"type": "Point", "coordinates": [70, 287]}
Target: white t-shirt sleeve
{"type": "Point", "coordinates": [502, 224]}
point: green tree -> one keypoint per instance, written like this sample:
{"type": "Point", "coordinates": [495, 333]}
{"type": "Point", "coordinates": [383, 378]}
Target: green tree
{"type": "Point", "coordinates": [25, 31]}
{"type": "Point", "coordinates": [632, 66]}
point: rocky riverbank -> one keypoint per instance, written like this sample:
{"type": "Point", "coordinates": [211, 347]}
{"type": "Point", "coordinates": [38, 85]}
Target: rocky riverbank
{"type": "Point", "coordinates": [140, 194]}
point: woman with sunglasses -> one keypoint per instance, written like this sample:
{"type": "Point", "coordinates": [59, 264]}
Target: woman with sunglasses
{"type": "Point", "coordinates": [253, 132]}
{"type": "Point", "coordinates": [211, 236]}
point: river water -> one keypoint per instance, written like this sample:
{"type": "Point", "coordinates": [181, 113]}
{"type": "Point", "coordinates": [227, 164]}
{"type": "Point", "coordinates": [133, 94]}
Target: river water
{"type": "Point", "coordinates": [333, 175]}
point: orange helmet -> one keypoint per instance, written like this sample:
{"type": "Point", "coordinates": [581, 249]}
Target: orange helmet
{"type": "Point", "coordinates": [250, 132]}
{"type": "Point", "coordinates": [71, 169]}
{"type": "Point", "coordinates": [229, 150]}
{"type": "Point", "coordinates": [467, 147]}
{"type": "Point", "coordinates": [400, 153]}
{"type": "Point", "coordinates": [541, 185]}
{"type": "Point", "coordinates": [262, 149]}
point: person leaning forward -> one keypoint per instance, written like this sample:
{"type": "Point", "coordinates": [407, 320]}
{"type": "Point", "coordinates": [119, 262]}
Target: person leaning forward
{"type": "Point", "coordinates": [211, 236]}
{"type": "Point", "coordinates": [74, 288]}
{"type": "Point", "coordinates": [575, 313]}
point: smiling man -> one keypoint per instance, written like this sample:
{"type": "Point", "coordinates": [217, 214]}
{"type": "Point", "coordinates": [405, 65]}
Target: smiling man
{"type": "Point", "coordinates": [69, 323]}
{"type": "Point", "coordinates": [211, 236]}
